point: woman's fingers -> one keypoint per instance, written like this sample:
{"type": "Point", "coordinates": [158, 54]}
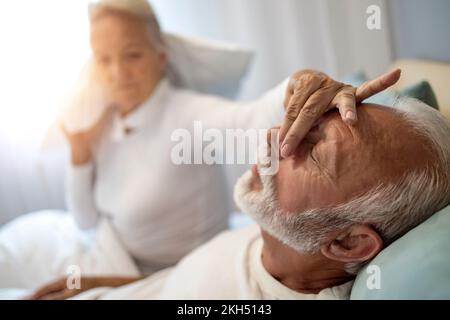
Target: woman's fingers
{"type": "Point", "coordinates": [314, 108]}
{"type": "Point", "coordinates": [377, 85]}
{"type": "Point", "coordinates": [64, 130]}
{"type": "Point", "coordinates": [346, 103]}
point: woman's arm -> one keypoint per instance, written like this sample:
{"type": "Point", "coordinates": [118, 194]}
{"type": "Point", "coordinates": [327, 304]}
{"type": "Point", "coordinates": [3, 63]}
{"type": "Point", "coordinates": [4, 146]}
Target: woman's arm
{"type": "Point", "coordinates": [219, 113]}
{"type": "Point", "coordinates": [80, 195]}
{"type": "Point", "coordinates": [80, 173]}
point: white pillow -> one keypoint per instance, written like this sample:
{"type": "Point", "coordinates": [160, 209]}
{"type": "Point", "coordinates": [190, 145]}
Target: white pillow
{"type": "Point", "coordinates": [201, 65]}
{"type": "Point", "coordinates": [206, 66]}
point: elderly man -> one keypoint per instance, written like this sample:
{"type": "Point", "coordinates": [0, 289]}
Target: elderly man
{"type": "Point", "coordinates": [344, 194]}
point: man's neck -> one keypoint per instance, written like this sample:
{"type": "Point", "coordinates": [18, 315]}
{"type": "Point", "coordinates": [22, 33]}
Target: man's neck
{"type": "Point", "coordinates": [305, 273]}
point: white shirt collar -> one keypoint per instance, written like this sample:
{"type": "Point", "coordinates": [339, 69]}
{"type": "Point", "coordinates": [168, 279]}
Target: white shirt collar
{"type": "Point", "coordinates": [139, 117]}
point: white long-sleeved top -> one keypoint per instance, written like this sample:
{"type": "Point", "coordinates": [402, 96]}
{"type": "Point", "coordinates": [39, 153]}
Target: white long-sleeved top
{"type": "Point", "coordinates": [160, 210]}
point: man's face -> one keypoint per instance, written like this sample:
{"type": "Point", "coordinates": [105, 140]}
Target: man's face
{"type": "Point", "coordinates": [337, 162]}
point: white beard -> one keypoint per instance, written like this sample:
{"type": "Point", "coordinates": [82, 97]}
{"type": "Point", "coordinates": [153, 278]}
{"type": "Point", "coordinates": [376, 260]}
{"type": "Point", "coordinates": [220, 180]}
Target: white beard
{"type": "Point", "coordinates": [257, 204]}
{"type": "Point", "coordinates": [300, 230]}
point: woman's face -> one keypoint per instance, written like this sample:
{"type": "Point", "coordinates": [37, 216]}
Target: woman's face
{"type": "Point", "coordinates": [128, 63]}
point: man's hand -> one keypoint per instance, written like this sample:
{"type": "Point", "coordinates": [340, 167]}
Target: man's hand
{"type": "Point", "coordinates": [58, 289]}
{"type": "Point", "coordinates": [311, 93]}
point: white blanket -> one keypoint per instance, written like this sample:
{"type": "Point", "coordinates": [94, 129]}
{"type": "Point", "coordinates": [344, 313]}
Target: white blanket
{"type": "Point", "coordinates": [227, 267]}
{"type": "Point", "coordinates": [43, 246]}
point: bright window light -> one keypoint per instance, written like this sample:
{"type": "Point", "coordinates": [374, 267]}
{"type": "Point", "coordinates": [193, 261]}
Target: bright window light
{"type": "Point", "coordinates": [43, 46]}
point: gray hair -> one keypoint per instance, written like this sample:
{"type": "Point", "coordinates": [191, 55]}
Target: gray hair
{"type": "Point", "coordinates": [139, 8]}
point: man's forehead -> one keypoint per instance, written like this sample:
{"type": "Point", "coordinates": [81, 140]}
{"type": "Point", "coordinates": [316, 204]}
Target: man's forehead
{"type": "Point", "coordinates": [354, 158]}
{"type": "Point", "coordinates": [377, 129]}
{"type": "Point", "coordinates": [369, 143]}
{"type": "Point", "coordinates": [369, 115]}
{"type": "Point", "coordinates": [386, 142]}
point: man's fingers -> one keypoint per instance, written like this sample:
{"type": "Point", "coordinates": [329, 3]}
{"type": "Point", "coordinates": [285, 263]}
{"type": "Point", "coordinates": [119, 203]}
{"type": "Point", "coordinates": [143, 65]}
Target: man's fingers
{"type": "Point", "coordinates": [49, 289]}
{"type": "Point", "coordinates": [346, 103]}
{"type": "Point", "coordinates": [295, 104]}
{"type": "Point", "coordinates": [44, 292]}
{"type": "Point", "coordinates": [314, 108]}
{"type": "Point", "coordinates": [60, 295]}
{"type": "Point", "coordinates": [377, 85]}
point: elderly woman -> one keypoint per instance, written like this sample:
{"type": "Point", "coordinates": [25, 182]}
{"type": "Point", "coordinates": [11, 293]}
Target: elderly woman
{"type": "Point", "coordinates": [160, 211]}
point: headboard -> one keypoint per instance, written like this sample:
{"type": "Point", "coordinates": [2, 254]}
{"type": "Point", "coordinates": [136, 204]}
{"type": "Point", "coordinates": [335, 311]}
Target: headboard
{"type": "Point", "coordinates": [436, 73]}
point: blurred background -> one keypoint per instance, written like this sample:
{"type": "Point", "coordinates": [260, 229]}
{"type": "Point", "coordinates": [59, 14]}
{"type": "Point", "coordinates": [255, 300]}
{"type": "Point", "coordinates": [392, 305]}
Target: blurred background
{"type": "Point", "coordinates": [44, 44]}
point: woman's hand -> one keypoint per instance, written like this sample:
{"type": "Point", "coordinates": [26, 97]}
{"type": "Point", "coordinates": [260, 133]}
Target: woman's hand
{"type": "Point", "coordinates": [82, 143]}
{"type": "Point", "coordinates": [58, 290]}
{"type": "Point", "coordinates": [311, 93]}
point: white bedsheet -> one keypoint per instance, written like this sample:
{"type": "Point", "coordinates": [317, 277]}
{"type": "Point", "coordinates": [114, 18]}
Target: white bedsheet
{"type": "Point", "coordinates": [40, 247]}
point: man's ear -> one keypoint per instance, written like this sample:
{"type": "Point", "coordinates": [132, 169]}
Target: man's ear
{"type": "Point", "coordinates": [359, 243]}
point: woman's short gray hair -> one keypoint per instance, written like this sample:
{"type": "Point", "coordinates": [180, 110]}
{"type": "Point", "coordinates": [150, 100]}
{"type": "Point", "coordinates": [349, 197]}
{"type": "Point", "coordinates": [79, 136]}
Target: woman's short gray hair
{"type": "Point", "coordinates": [139, 8]}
